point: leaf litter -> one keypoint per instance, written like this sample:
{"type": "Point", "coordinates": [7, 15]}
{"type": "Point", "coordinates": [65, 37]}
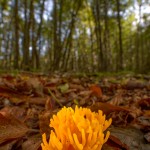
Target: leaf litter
{"type": "Point", "coordinates": [28, 101]}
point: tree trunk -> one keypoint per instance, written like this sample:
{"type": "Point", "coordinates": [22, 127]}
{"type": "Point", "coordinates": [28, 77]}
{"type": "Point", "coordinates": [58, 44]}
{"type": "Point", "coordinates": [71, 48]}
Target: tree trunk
{"type": "Point", "coordinates": [106, 37]}
{"type": "Point", "coordinates": [39, 35]}
{"type": "Point", "coordinates": [120, 52]}
{"type": "Point", "coordinates": [68, 46]}
{"type": "Point", "coordinates": [98, 31]}
{"type": "Point", "coordinates": [16, 52]}
{"type": "Point", "coordinates": [56, 60]}
{"type": "Point", "coordinates": [36, 36]}
{"type": "Point", "coordinates": [26, 40]}
{"type": "Point", "coordinates": [138, 41]}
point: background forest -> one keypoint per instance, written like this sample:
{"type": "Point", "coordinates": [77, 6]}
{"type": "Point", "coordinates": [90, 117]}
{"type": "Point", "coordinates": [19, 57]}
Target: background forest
{"type": "Point", "coordinates": [75, 35]}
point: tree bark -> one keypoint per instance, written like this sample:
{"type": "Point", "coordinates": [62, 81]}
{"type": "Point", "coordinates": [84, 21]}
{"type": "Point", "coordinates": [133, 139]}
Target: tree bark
{"type": "Point", "coordinates": [68, 46]}
{"type": "Point", "coordinates": [56, 59]}
{"type": "Point", "coordinates": [16, 52]}
{"type": "Point", "coordinates": [120, 52]}
{"type": "Point", "coordinates": [106, 37]}
{"type": "Point", "coordinates": [26, 40]}
{"type": "Point", "coordinates": [138, 41]}
{"type": "Point", "coordinates": [98, 32]}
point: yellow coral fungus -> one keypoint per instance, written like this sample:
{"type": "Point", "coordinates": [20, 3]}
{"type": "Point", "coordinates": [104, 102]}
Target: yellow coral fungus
{"type": "Point", "coordinates": [78, 129]}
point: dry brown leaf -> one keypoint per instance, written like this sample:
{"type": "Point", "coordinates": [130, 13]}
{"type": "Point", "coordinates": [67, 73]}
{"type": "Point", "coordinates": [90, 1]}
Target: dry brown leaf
{"type": "Point", "coordinates": [96, 90]}
{"type": "Point", "coordinates": [44, 120]}
{"type": "Point", "coordinates": [147, 137]}
{"type": "Point", "coordinates": [32, 143]}
{"type": "Point", "coordinates": [16, 111]}
{"type": "Point", "coordinates": [7, 145]}
{"type": "Point", "coordinates": [85, 93]}
{"type": "Point", "coordinates": [76, 86]}
{"type": "Point", "coordinates": [107, 108]}
{"type": "Point", "coordinates": [115, 143]}
{"type": "Point", "coordinates": [132, 137]}
{"type": "Point", "coordinates": [144, 103]}
{"type": "Point", "coordinates": [117, 99]}
{"type": "Point", "coordinates": [14, 97]}
{"type": "Point", "coordinates": [10, 127]}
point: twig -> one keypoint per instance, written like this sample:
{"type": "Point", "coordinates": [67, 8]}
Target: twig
{"type": "Point", "coordinates": [54, 97]}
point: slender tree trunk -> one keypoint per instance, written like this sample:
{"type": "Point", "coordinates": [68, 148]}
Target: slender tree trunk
{"type": "Point", "coordinates": [25, 37]}
{"type": "Point", "coordinates": [56, 60]}
{"type": "Point", "coordinates": [8, 52]}
{"type": "Point", "coordinates": [16, 52]}
{"type": "Point", "coordinates": [34, 51]}
{"type": "Point", "coordinates": [2, 37]}
{"type": "Point", "coordinates": [91, 47]}
{"type": "Point", "coordinates": [60, 22]}
{"type": "Point", "coordinates": [68, 45]}
{"type": "Point", "coordinates": [1, 22]}
{"type": "Point", "coordinates": [106, 37]}
{"type": "Point", "coordinates": [138, 41]}
{"type": "Point", "coordinates": [26, 40]}
{"type": "Point", "coordinates": [38, 37]}
{"type": "Point", "coordinates": [98, 30]}
{"type": "Point", "coordinates": [120, 52]}
{"type": "Point", "coordinates": [148, 56]}
{"type": "Point", "coordinates": [69, 42]}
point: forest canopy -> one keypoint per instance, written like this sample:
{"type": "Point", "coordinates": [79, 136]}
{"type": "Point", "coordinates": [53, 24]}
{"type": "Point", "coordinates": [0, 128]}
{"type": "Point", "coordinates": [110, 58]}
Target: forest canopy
{"type": "Point", "coordinates": [76, 35]}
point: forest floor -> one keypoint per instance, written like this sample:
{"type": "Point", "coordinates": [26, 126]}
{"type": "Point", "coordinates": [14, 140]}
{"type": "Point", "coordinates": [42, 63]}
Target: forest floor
{"type": "Point", "coordinates": [28, 101]}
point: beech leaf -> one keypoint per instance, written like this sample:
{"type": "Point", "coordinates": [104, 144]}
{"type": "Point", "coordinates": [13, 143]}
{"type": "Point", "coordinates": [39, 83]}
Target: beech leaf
{"type": "Point", "coordinates": [10, 127]}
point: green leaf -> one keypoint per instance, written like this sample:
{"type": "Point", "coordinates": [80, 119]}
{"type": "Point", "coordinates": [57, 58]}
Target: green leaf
{"type": "Point", "coordinates": [63, 88]}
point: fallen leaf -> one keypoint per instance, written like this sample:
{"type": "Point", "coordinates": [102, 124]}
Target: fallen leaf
{"type": "Point", "coordinates": [96, 90]}
{"type": "Point", "coordinates": [16, 111]}
{"type": "Point", "coordinates": [64, 87]}
{"type": "Point", "coordinates": [44, 120]}
{"type": "Point", "coordinates": [8, 145]}
{"type": "Point", "coordinates": [117, 99]}
{"type": "Point", "coordinates": [131, 85]}
{"type": "Point", "coordinates": [32, 143]}
{"type": "Point", "coordinates": [116, 143]}
{"type": "Point", "coordinates": [10, 127]}
{"type": "Point", "coordinates": [129, 136]}
{"type": "Point", "coordinates": [85, 93]}
{"type": "Point", "coordinates": [147, 137]}
{"type": "Point", "coordinates": [107, 108]}
{"type": "Point", "coordinates": [144, 103]}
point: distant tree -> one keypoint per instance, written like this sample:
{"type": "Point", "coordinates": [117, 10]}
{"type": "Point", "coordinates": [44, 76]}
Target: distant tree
{"type": "Point", "coordinates": [16, 50]}
{"type": "Point", "coordinates": [120, 52]}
